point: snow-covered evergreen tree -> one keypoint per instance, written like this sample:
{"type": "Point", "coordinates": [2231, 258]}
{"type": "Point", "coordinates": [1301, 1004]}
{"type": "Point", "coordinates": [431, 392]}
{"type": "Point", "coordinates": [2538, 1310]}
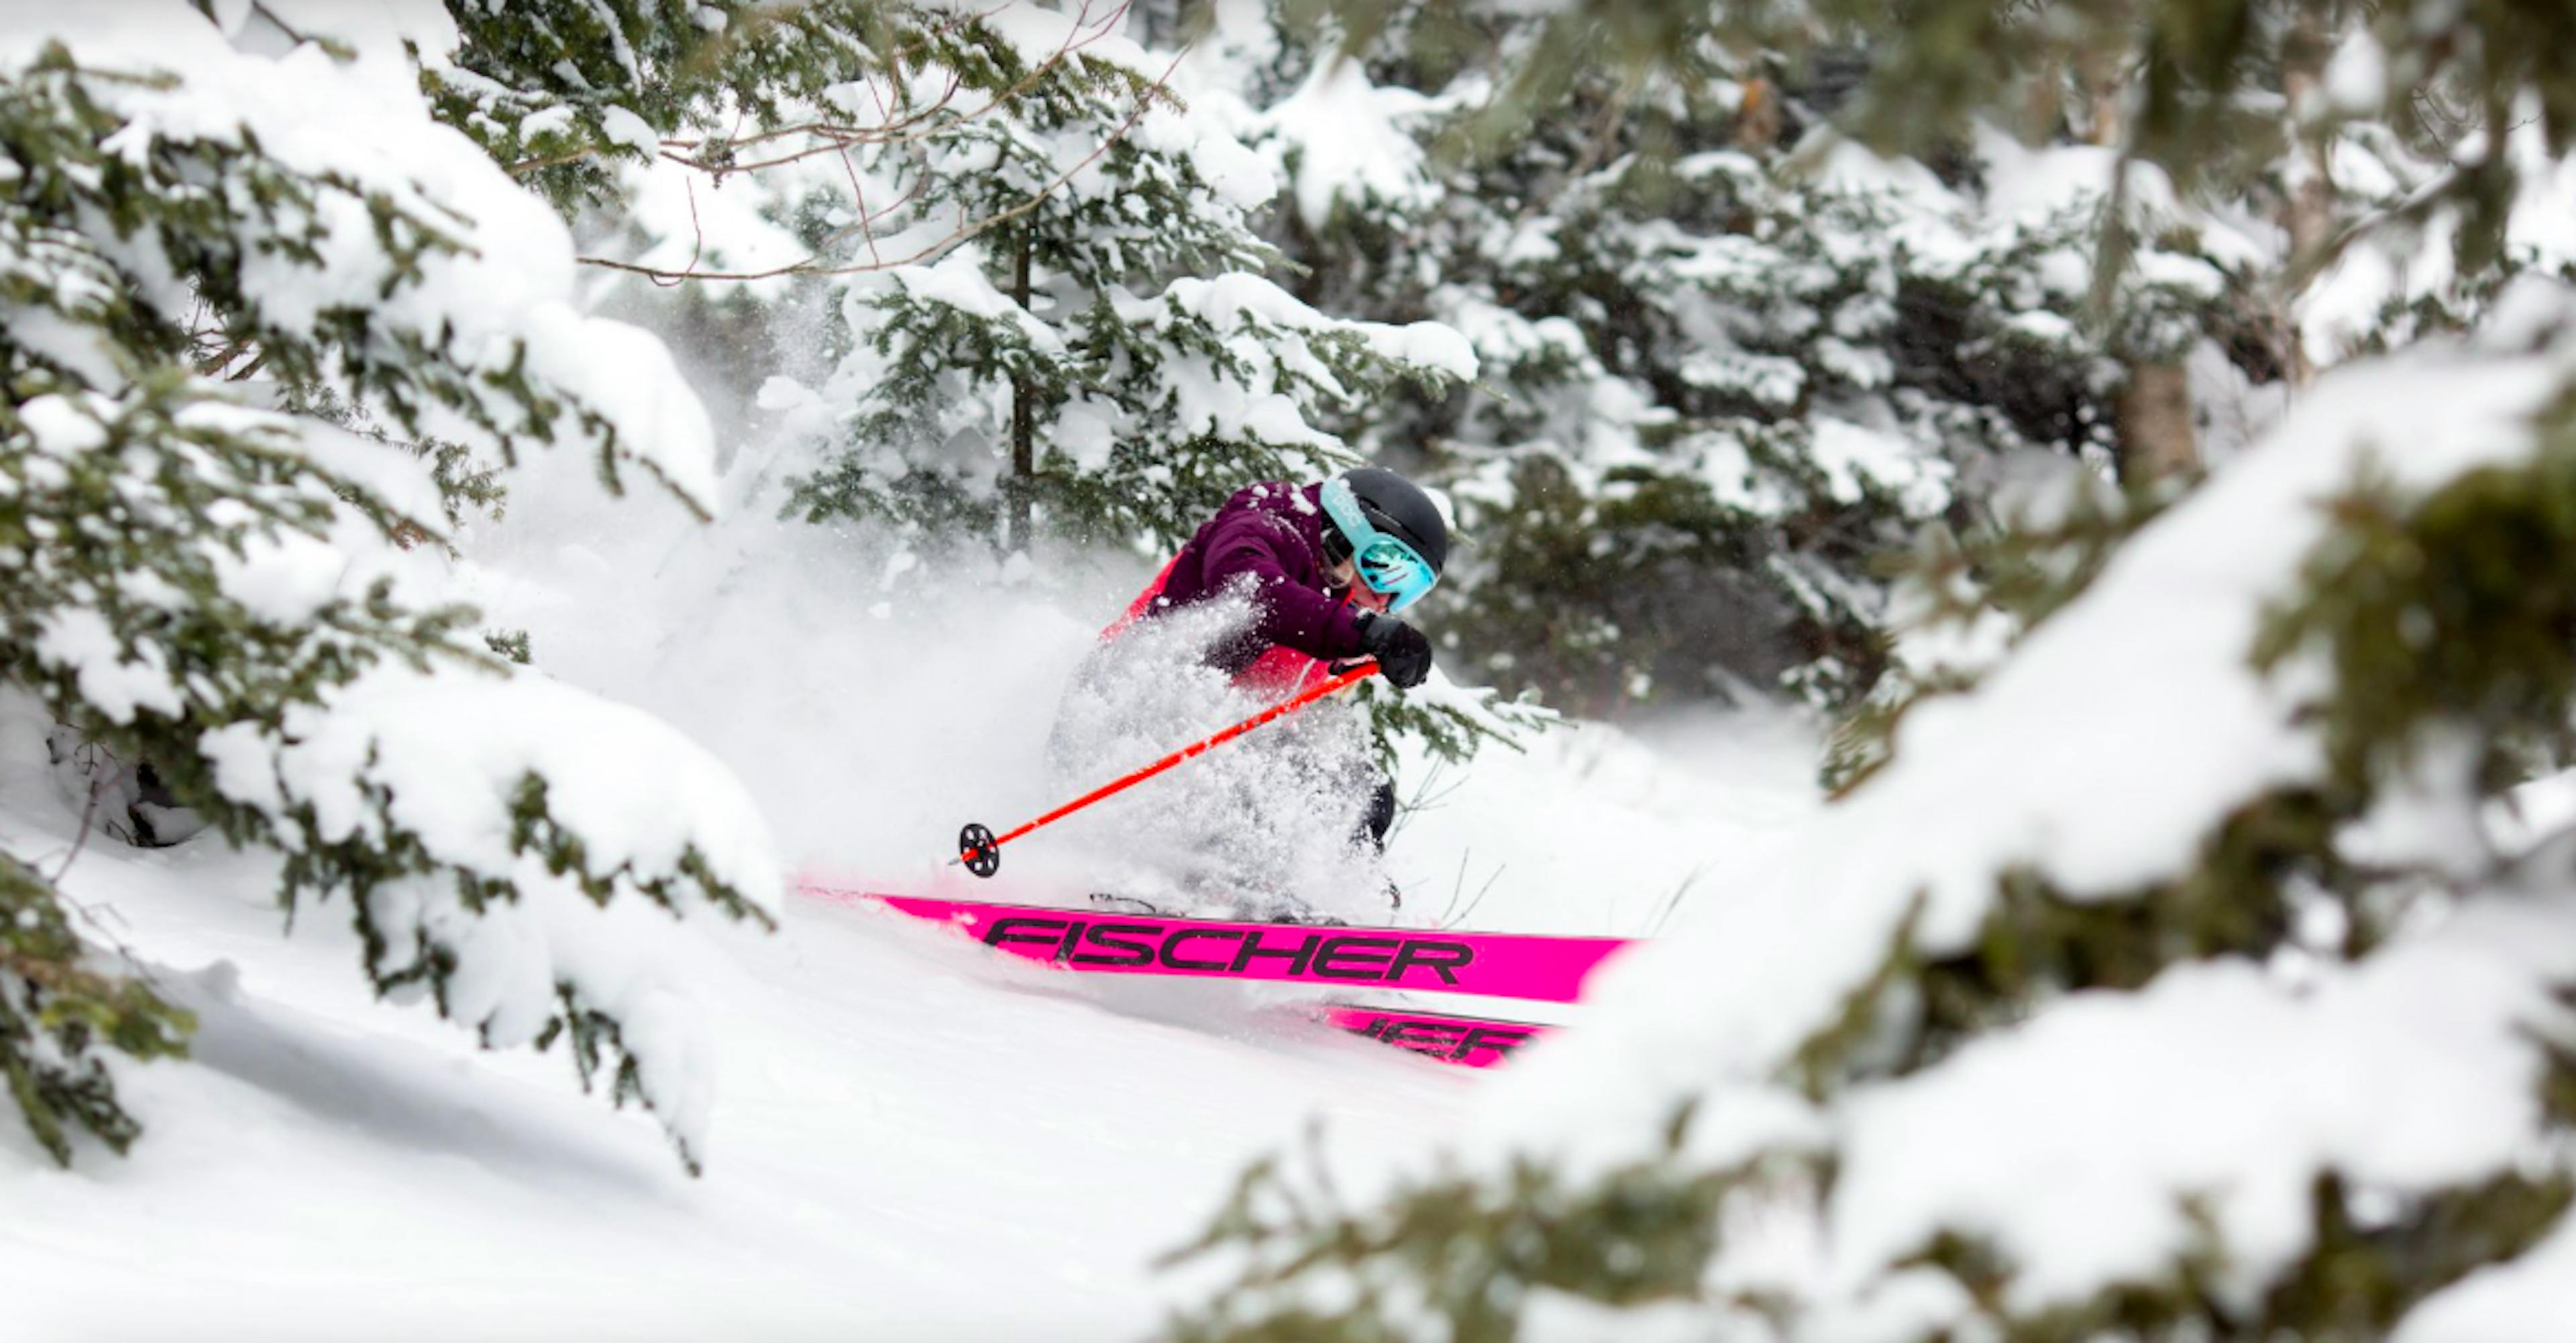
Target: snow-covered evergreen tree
{"type": "Point", "coordinates": [1050, 295]}
{"type": "Point", "coordinates": [2374, 239]}
{"type": "Point", "coordinates": [568, 93]}
{"type": "Point", "coordinates": [1102, 350]}
{"type": "Point", "coordinates": [2185, 978]}
{"type": "Point", "coordinates": [198, 245]}
{"type": "Point", "coordinates": [1049, 315]}
{"type": "Point", "coordinates": [2191, 970]}
{"type": "Point", "coordinates": [1737, 360]}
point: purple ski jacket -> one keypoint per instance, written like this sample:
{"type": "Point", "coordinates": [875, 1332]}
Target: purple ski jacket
{"type": "Point", "coordinates": [1269, 538]}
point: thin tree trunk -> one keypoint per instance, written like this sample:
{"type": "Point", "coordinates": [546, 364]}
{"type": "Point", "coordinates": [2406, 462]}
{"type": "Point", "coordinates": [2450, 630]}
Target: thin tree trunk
{"type": "Point", "coordinates": [1019, 491]}
{"type": "Point", "coordinates": [1757, 119]}
{"type": "Point", "coordinates": [2156, 437]}
{"type": "Point", "coordinates": [2308, 210]}
{"type": "Point", "coordinates": [2100, 73]}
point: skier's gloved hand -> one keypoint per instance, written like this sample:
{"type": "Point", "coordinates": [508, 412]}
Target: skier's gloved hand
{"type": "Point", "coordinates": [1401, 651]}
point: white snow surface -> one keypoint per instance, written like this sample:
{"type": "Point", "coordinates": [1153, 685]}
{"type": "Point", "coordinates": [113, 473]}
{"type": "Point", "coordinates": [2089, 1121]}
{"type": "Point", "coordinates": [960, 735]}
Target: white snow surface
{"type": "Point", "coordinates": [2406, 1073]}
{"type": "Point", "coordinates": [909, 1141]}
{"type": "Point", "coordinates": [905, 1135]}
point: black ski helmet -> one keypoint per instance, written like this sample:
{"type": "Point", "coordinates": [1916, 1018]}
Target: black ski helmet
{"type": "Point", "coordinates": [1396, 506]}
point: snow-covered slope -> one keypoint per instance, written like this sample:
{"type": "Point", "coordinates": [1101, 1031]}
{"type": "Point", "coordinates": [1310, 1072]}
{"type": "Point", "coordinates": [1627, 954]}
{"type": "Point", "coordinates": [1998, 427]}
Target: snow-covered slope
{"type": "Point", "coordinates": [908, 1136]}
{"type": "Point", "coordinates": [911, 1138]}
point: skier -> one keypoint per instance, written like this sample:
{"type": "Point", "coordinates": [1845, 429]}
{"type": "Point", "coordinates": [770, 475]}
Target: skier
{"type": "Point", "coordinates": [1326, 567]}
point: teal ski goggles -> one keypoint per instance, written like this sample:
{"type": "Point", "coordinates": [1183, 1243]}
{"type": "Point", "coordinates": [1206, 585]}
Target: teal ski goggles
{"type": "Point", "coordinates": [1386, 563]}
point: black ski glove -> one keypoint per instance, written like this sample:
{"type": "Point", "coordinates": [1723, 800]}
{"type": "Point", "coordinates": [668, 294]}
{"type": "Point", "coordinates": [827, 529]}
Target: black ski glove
{"type": "Point", "coordinates": [1401, 651]}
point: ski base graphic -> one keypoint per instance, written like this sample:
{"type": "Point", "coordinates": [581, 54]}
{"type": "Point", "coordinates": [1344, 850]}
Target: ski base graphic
{"type": "Point", "coordinates": [1501, 965]}
{"type": "Point", "coordinates": [1470, 1042]}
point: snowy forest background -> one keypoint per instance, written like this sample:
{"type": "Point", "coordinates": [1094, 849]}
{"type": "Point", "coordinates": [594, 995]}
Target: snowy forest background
{"type": "Point", "coordinates": [2141, 434]}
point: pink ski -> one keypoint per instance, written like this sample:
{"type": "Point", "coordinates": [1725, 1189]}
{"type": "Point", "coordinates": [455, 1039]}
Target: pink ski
{"type": "Point", "coordinates": [1470, 1042]}
{"type": "Point", "coordinates": [1501, 965]}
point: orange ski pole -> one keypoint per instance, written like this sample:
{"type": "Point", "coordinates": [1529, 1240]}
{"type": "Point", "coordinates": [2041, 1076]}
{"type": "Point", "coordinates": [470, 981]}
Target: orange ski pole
{"type": "Point", "coordinates": [981, 851]}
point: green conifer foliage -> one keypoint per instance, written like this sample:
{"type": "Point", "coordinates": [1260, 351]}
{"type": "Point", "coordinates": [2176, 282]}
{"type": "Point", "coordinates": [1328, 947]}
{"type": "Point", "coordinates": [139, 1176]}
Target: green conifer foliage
{"type": "Point", "coordinates": [1469, 1252]}
{"type": "Point", "coordinates": [2427, 638]}
{"type": "Point", "coordinates": [2445, 617]}
{"type": "Point", "coordinates": [1962, 598]}
{"type": "Point", "coordinates": [2443, 620]}
{"type": "Point", "coordinates": [1045, 312]}
{"type": "Point", "coordinates": [1726, 382]}
{"type": "Point", "coordinates": [562, 92]}
{"type": "Point", "coordinates": [55, 1004]}
{"type": "Point", "coordinates": [147, 513]}
{"type": "Point", "coordinates": [1026, 201]}
{"type": "Point", "coordinates": [1953, 60]}
{"type": "Point", "coordinates": [1101, 356]}
{"type": "Point", "coordinates": [2338, 123]}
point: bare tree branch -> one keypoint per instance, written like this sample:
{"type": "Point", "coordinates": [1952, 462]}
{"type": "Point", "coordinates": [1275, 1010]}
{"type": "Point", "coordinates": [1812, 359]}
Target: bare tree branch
{"type": "Point", "coordinates": [839, 139]}
{"type": "Point", "coordinates": [1146, 96]}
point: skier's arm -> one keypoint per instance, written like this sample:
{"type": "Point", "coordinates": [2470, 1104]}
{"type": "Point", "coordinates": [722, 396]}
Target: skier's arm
{"type": "Point", "coordinates": [1252, 550]}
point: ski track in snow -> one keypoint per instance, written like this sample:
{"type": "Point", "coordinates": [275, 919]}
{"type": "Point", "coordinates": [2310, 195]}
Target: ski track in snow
{"type": "Point", "coordinates": [912, 1136]}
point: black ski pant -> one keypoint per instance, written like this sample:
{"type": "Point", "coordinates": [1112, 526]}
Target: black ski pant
{"type": "Point", "coordinates": [1380, 814]}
